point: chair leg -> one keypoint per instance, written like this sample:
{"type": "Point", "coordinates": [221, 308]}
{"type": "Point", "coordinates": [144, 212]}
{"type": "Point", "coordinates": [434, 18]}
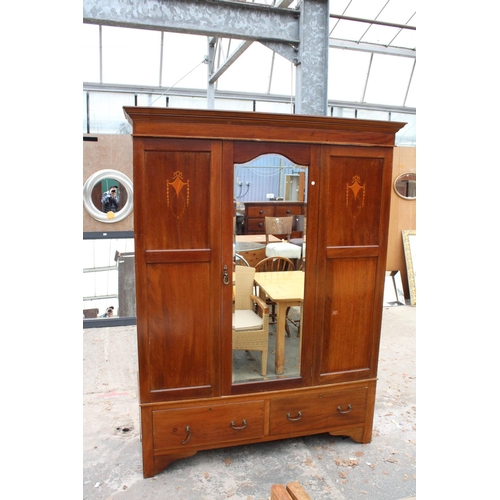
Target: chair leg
{"type": "Point", "coordinates": [287, 329]}
{"type": "Point", "coordinates": [264, 363]}
{"type": "Point", "coordinates": [273, 314]}
{"type": "Point", "coordinates": [295, 323]}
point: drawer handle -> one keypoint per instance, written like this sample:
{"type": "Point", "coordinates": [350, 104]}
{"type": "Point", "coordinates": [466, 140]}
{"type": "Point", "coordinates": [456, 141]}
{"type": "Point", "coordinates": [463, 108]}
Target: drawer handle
{"type": "Point", "coordinates": [188, 430]}
{"type": "Point", "coordinates": [298, 417]}
{"type": "Point", "coordinates": [236, 428]}
{"type": "Point", "coordinates": [260, 224]}
{"type": "Point", "coordinates": [349, 409]}
{"type": "Point", "coordinates": [288, 211]}
{"type": "Point", "coordinates": [261, 212]}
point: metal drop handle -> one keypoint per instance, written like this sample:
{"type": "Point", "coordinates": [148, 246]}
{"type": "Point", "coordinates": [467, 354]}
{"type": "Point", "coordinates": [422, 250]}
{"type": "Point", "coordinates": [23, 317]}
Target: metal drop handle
{"type": "Point", "coordinates": [188, 436]}
{"type": "Point", "coordinates": [349, 409]}
{"type": "Point", "coordinates": [225, 276]}
{"type": "Point", "coordinates": [298, 417]}
{"type": "Point", "coordinates": [235, 427]}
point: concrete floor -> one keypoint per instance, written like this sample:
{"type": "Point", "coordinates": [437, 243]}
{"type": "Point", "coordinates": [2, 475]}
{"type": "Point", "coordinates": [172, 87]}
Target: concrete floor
{"type": "Point", "coordinates": [328, 468]}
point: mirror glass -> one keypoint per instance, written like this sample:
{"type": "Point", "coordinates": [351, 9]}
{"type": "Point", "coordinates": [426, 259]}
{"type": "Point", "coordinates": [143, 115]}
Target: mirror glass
{"type": "Point", "coordinates": [108, 196]}
{"type": "Point", "coordinates": [108, 279]}
{"type": "Point", "coordinates": [410, 248]}
{"type": "Point", "coordinates": [268, 185]}
{"type": "Point", "coordinates": [405, 186]}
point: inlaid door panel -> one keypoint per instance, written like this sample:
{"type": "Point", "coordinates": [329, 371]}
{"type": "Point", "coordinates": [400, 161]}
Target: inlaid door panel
{"type": "Point", "coordinates": [178, 248]}
{"type": "Point", "coordinates": [178, 192]}
{"type": "Point", "coordinates": [353, 201]}
{"type": "Point", "coordinates": [354, 184]}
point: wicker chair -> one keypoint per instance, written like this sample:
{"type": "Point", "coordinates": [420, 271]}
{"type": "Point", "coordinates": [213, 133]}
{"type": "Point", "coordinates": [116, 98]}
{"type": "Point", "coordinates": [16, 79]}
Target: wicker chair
{"type": "Point", "coordinates": [270, 264]}
{"type": "Point", "coordinates": [250, 330]}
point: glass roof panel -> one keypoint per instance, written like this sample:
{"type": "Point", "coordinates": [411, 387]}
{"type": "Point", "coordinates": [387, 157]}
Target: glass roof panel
{"type": "Point", "coordinates": [250, 72]}
{"type": "Point", "coordinates": [399, 11]}
{"type": "Point", "coordinates": [133, 57]}
{"type": "Point", "coordinates": [366, 9]}
{"type": "Point", "coordinates": [407, 38]}
{"type": "Point", "coordinates": [381, 35]}
{"type": "Point", "coordinates": [183, 57]}
{"type": "Point", "coordinates": [130, 56]}
{"type": "Point", "coordinates": [411, 98]}
{"type": "Point", "coordinates": [388, 11]}
{"type": "Point", "coordinates": [347, 72]}
{"type": "Point", "coordinates": [347, 30]}
{"type": "Point", "coordinates": [283, 77]}
{"type": "Point", "coordinates": [389, 79]}
{"type": "Point", "coordinates": [90, 52]}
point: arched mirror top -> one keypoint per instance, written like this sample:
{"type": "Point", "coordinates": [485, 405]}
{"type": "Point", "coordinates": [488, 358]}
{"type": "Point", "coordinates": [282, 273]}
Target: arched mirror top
{"type": "Point", "coordinates": [245, 152]}
{"type": "Point", "coordinates": [270, 177]}
{"type": "Point", "coordinates": [405, 186]}
{"type": "Point", "coordinates": [108, 196]}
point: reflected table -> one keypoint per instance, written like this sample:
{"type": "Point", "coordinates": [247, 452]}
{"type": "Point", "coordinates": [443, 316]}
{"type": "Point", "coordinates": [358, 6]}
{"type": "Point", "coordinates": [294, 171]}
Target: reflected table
{"type": "Point", "coordinates": [286, 288]}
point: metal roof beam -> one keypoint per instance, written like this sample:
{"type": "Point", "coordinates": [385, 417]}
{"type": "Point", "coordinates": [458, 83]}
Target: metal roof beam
{"type": "Point", "coordinates": [373, 21]}
{"type": "Point", "coordinates": [302, 33]}
{"type": "Point", "coordinates": [247, 21]}
{"type": "Point", "coordinates": [226, 94]}
{"type": "Point", "coordinates": [311, 87]}
{"type": "Point", "coordinates": [371, 47]}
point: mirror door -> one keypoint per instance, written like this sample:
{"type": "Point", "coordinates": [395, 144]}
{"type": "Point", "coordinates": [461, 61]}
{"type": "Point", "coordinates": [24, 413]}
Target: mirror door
{"type": "Point", "coordinates": [270, 185]}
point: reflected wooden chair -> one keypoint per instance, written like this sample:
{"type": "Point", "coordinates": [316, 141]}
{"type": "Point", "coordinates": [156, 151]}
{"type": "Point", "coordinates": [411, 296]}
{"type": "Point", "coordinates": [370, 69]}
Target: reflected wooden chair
{"type": "Point", "coordinates": [299, 225]}
{"type": "Point", "coordinates": [250, 328]}
{"type": "Point", "coordinates": [279, 227]}
{"type": "Point", "coordinates": [271, 264]}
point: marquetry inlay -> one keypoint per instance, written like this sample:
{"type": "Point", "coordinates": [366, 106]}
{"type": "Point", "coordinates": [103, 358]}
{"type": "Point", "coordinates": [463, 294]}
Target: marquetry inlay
{"type": "Point", "coordinates": [353, 191]}
{"type": "Point", "coordinates": [180, 204]}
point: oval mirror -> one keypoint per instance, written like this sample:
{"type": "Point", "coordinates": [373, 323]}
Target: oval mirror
{"type": "Point", "coordinates": [405, 186]}
{"type": "Point", "coordinates": [108, 196]}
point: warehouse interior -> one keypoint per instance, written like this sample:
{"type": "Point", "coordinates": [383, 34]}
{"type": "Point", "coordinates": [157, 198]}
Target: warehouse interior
{"type": "Point", "coordinates": [447, 465]}
{"type": "Point", "coordinates": [318, 58]}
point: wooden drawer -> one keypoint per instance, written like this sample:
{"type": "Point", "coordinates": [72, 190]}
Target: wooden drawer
{"type": "Point", "coordinates": [321, 410]}
{"type": "Point", "coordinates": [256, 226]}
{"type": "Point", "coordinates": [260, 211]}
{"type": "Point", "coordinates": [207, 425]}
{"type": "Point", "coordinates": [285, 210]}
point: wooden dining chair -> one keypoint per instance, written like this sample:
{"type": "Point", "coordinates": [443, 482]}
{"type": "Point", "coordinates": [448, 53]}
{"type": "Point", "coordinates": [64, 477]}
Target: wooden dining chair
{"type": "Point", "coordinates": [279, 227]}
{"type": "Point", "coordinates": [270, 264]}
{"type": "Point", "coordinates": [299, 226]}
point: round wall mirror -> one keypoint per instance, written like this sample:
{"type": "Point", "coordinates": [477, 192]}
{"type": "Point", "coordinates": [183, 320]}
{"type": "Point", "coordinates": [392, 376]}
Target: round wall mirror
{"type": "Point", "coordinates": [405, 186]}
{"type": "Point", "coordinates": [108, 196]}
